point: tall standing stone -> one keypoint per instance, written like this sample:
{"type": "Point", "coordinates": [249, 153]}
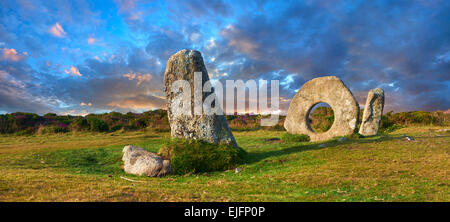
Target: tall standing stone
{"type": "Point", "coordinates": [212, 128]}
{"type": "Point", "coordinates": [373, 112]}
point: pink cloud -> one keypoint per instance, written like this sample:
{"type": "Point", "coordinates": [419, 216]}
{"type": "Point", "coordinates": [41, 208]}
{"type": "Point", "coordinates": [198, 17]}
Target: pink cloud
{"type": "Point", "coordinates": [73, 71]}
{"type": "Point", "coordinates": [91, 40]}
{"type": "Point", "coordinates": [140, 78]}
{"type": "Point", "coordinates": [58, 31]}
{"type": "Point", "coordinates": [12, 55]}
{"type": "Point", "coordinates": [130, 76]}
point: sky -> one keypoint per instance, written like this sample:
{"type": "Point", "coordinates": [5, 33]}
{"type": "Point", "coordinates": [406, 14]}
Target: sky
{"type": "Point", "coordinates": [79, 57]}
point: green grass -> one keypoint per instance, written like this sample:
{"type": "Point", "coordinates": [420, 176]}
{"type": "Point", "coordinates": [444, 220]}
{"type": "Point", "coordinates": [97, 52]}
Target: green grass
{"type": "Point", "coordinates": [87, 167]}
{"type": "Point", "coordinates": [289, 138]}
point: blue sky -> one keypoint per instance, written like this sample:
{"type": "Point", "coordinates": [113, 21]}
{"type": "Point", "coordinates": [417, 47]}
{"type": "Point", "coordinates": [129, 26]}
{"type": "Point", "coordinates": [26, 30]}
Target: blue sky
{"type": "Point", "coordinates": [78, 57]}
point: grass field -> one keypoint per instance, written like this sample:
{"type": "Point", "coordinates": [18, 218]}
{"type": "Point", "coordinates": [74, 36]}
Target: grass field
{"type": "Point", "coordinates": [87, 167]}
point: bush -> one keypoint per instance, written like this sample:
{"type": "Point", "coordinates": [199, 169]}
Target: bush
{"type": "Point", "coordinates": [80, 124]}
{"type": "Point", "coordinates": [139, 123]}
{"type": "Point", "coordinates": [390, 128]}
{"type": "Point", "coordinates": [116, 128]}
{"type": "Point", "coordinates": [25, 132]}
{"type": "Point", "coordinates": [50, 115]}
{"type": "Point", "coordinates": [97, 125]}
{"type": "Point", "coordinates": [290, 138]}
{"type": "Point", "coordinates": [51, 130]}
{"type": "Point", "coordinates": [321, 119]}
{"type": "Point", "coordinates": [199, 156]}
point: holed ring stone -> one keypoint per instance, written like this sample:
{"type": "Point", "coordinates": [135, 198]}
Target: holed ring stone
{"type": "Point", "coordinates": [328, 89]}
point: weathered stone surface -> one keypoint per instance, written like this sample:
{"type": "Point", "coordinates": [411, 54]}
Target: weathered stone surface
{"type": "Point", "coordinates": [331, 90]}
{"type": "Point", "coordinates": [373, 112]}
{"type": "Point", "coordinates": [166, 168]}
{"type": "Point", "coordinates": [211, 128]}
{"type": "Point", "coordinates": [141, 162]}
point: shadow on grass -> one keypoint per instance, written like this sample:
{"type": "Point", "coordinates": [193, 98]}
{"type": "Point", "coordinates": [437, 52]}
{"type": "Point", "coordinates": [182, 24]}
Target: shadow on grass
{"type": "Point", "coordinates": [253, 157]}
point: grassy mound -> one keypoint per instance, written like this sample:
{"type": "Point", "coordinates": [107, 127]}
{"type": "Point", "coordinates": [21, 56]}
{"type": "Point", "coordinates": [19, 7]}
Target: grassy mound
{"type": "Point", "coordinates": [199, 156]}
{"type": "Point", "coordinates": [291, 138]}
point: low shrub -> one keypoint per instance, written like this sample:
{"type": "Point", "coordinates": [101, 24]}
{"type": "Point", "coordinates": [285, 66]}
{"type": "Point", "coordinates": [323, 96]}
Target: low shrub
{"type": "Point", "coordinates": [116, 128]}
{"type": "Point", "coordinates": [321, 119]}
{"type": "Point", "coordinates": [25, 132]}
{"type": "Point", "coordinates": [290, 138]}
{"type": "Point", "coordinates": [390, 128]}
{"type": "Point", "coordinates": [199, 156]}
{"type": "Point", "coordinates": [51, 130]}
{"type": "Point", "coordinates": [79, 124]}
{"type": "Point", "coordinates": [97, 125]}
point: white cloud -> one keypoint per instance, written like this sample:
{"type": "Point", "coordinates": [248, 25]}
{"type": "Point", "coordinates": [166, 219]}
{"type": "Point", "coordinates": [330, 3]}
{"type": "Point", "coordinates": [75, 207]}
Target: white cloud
{"type": "Point", "coordinates": [194, 37]}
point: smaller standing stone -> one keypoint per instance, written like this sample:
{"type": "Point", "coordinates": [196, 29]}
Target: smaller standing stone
{"type": "Point", "coordinates": [140, 162]}
{"type": "Point", "coordinates": [373, 112]}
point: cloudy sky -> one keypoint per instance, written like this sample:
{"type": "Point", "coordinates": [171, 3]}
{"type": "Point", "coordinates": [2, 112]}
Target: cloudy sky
{"type": "Point", "coordinates": [78, 57]}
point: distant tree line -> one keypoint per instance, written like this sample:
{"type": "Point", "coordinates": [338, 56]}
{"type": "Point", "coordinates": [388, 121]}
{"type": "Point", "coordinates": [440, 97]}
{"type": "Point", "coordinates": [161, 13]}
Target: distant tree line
{"type": "Point", "coordinates": [320, 120]}
{"type": "Point", "coordinates": [30, 123]}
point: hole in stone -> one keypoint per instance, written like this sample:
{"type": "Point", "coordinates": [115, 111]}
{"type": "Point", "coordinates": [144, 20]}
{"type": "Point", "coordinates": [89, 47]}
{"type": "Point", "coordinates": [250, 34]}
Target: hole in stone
{"type": "Point", "coordinates": [320, 117]}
